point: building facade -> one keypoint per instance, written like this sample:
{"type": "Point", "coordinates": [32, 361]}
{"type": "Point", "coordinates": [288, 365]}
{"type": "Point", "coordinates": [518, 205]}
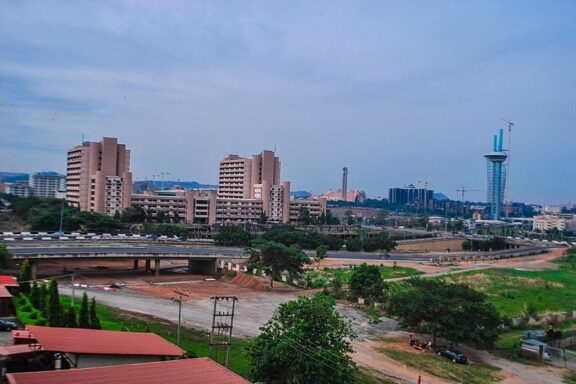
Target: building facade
{"type": "Point", "coordinates": [547, 222]}
{"type": "Point", "coordinates": [191, 206]}
{"type": "Point", "coordinates": [48, 184]}
{"type": "Point", "coordinates": [410, 195]}
{"type": "Point", "coordinates": [98, 177]}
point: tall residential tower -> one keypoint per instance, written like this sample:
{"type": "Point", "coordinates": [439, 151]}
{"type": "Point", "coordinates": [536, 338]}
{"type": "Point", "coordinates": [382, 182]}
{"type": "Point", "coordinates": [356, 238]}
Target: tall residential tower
{"type": "Point", "coordinates": [496, 177]}
{"type": "Point", "coordinates": [98, 177]}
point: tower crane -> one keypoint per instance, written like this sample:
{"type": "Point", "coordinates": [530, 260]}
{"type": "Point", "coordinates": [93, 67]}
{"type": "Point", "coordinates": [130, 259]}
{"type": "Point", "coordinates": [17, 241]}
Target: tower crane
{"type": "Point", "coordinates": [463, 191]}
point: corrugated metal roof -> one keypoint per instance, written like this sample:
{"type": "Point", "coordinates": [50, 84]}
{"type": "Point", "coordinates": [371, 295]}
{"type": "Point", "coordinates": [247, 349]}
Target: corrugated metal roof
{"type": "Point", "coordinates": [4, 293]}
{"type": "Point", "coordinates": [95, 341]}
{"type": "Point", "coordinates": [8, 280]}
{"type": "Point", "coordinates": [186, 371]}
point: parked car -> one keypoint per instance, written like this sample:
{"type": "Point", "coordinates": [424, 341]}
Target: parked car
{"type": "Point", "coordinates": [6, 325]}
{"type": "Point", "coordinates": [452, 354]}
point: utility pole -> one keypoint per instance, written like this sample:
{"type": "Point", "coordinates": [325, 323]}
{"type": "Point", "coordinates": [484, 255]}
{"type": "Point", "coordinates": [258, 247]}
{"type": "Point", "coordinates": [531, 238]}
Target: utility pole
{"type": "Point", "coordinates": [510, 124]}
{"type": "Point", "coordinates": [179, 301]}
{"type": "Point", "coordinates": [73, 291]}
{"type": "Point", "coordinates": [222, 322]}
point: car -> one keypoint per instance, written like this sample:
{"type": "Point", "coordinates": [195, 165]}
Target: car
{"type": "Point", "coordinates": [452, 354]}
{"type": "Point", "coordinates": [6, 325]}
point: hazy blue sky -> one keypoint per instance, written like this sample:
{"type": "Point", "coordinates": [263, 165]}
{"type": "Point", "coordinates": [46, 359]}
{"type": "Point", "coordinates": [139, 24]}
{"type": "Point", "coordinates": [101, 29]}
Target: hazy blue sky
{"type": "Point", "coordinates": [397, 91]}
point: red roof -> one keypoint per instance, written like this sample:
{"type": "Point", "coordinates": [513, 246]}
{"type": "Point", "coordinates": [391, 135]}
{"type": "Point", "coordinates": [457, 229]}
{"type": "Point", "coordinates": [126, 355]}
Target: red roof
{"type": "Point", "coordinates": [96, 341]}
{"type": "Point", "coordinates": [4, 292]}
{"type": "Point", "coordinates": [20, 337]}
{"type": "Point", "coordinates": [10, 281]}
{"type": "Point", "coordinates": [186, 371]}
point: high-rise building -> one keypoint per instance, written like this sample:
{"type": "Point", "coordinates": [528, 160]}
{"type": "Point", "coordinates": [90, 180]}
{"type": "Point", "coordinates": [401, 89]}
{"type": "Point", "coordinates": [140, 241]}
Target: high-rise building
{"type": "Point", "coordinates": [251, 187]}
{"type": "Point", "coordinates": [496, 177]}
{"type": "Point", "coordinates": [98, 177]}
{"type": "Point", "coordinates": [48, 184]}
{"type": "Point", "coordinates": [411, 195]}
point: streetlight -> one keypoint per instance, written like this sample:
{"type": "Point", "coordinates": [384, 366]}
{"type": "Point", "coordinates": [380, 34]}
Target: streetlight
{"type": "Point", "coordinates": [179, 301]}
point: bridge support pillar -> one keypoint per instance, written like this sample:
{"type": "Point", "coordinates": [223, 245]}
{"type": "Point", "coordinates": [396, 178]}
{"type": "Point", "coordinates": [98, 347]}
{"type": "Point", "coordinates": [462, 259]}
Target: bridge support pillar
{"type": "Point", "coordinates": [136, 264]}
{"type": "Point", "coordinates": [147, 265]}
{"type": "Point", "coordinates": [156, 267]}
{"type": "Point", "coordinates": [33, 269]}
{"type": "Point", "coordinates": [190, 264]}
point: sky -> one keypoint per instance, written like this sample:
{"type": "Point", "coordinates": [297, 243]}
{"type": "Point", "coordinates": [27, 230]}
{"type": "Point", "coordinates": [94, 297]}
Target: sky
{"type": "Point", "coordinates": [397, 91]}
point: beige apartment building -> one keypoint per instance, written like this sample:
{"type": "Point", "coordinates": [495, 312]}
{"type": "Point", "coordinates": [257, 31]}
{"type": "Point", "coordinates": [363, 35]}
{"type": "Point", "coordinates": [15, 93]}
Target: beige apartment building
{"type": "Point", "coordinates": [98, 177]}
{"type": "Point", "coordinates": [197, 207]}
{"type": "Point", "coordinates": [247, 188]}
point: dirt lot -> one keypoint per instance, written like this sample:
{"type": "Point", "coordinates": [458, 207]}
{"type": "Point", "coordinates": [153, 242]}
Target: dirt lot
{"type": "Point", "coordinates": [145, 293]}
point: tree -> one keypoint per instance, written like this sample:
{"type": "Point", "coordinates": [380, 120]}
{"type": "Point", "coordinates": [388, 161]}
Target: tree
{"type": "Point", "coordinates": [366, 281]}
{"type": "Point", "coordinates": [453, 311]}
{"type": "Point", "coordinates": [304, 216]}
{"type": "Point", "coordinates": [353, 244]}
{"type": "Point", "coordinates": [70, 320]}
{"type": "Point", "coordinates": [35, 295]}
{"type": "Point", "coordinates": [306, 341]}
{"type": "Point", "coordinates": [94, 320]}
{"type": "Point", "coordinates": [55, 318]}
{"type": "Point", "coordinates": [24, 276]}
{"type": "Point", "coordinates": [275, 258]}
{"type": "Point", "coordinates": [232, 235]}
{"type": "Point", "coordinates": [5, 257]}
{"type": "Point", "coordinates": [321, 252]}
{"type": "Point", "coordinates": [84, 316]}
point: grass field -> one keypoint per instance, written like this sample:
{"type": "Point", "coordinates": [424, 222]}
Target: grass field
{"type": "Point", "coordinates": [322, 278]}
{"type": "Point", "coordinates": [446, 369]}
{"type": "Point", "coordinates": [510, 290]}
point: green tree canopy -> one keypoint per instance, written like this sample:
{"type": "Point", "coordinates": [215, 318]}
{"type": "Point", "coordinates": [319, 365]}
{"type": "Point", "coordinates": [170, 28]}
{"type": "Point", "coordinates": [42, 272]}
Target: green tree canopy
{"type": "Point", "coordinates": [321, 252]}
{"type": "Point", "coordinates": [306, 341]}
{"type": "Point", "coordinates": [275, 258]}
{"type": "Point", "coordinates": [24, 276]}
{"type": "Point", "coordinates": [366, 281]}
{"type": "Point", "coordinates": [5, 256]}
{"type": "Point", "coordinates": [455, 312]}
{"type": "Point", "coordinates": [55, 314]}
{"type": "Point", "coordinates": [232, 235]}
{"type": "Point", "coordinates": [84, 315]}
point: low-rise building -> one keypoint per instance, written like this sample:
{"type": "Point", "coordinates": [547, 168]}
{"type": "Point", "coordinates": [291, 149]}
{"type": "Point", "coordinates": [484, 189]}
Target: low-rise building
{"type": "Point", "coordinates": [547, 222]}
{"type": "Point", "coordinates": [186, 371]}
{"type": "Point", "coordinates": [48, 184]}
{"type": "Point", "coordinates": [82, 348]}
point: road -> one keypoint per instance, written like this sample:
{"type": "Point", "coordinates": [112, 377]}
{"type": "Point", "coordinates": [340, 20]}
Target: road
{"type": "Point", "coordinates": [252, 310]}
{"type": "Point", "coordinates": [229, 252]}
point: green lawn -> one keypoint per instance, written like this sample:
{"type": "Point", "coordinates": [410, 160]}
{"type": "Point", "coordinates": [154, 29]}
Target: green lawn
{"type": "Point", "coordinates": [322, 278]}
{"type": "Point", "coordinates": [510, 290]}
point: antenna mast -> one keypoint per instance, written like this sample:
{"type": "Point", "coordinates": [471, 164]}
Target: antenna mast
{"type": "Point", "coordinates": [510, 124]}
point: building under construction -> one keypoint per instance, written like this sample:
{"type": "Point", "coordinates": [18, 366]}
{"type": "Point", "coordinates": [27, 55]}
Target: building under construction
{"type": "Point", "coordinates": [496, 177]}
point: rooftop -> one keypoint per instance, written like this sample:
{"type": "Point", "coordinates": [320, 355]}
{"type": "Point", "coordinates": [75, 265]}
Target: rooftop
{"type": "Point", "coordinates": [95, 341]}
{"type": "Point", "coordinates": [185, 371]}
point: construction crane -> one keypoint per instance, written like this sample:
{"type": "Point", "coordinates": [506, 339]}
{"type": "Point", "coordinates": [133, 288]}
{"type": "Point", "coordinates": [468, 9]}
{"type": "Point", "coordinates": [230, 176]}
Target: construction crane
{"type": "Point", "coordinates": [463, 191]}
{"type": "Point", "coordinates": [510, 124]}
{"type": "Point", "coordinates": [426, 183]}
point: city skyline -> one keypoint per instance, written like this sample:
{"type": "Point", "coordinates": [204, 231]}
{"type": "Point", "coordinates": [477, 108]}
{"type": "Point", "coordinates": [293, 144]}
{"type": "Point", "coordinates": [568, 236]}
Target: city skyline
{"type": "Point", "coordinates": [397, 92]}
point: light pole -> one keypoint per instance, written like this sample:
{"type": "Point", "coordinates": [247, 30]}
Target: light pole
{"type": "Point", "coordinates": [179, 301]}
{"type": "Point", "coordinates": [61, 216]}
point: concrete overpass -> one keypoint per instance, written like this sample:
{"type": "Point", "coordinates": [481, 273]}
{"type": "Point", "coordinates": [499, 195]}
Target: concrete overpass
{"type": "Point", "coordinates": [200, 259]}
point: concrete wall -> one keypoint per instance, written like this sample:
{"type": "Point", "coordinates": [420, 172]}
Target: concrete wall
{"type": "Point", "coordinates": [86, 361]}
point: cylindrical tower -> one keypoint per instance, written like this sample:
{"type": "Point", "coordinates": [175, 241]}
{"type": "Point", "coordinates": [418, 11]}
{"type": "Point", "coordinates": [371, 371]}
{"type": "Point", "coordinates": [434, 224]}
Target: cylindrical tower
{"type": "Point", "coordinates": [344, 183]}
{"type": "Point", "coordinates": [496, 177]}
